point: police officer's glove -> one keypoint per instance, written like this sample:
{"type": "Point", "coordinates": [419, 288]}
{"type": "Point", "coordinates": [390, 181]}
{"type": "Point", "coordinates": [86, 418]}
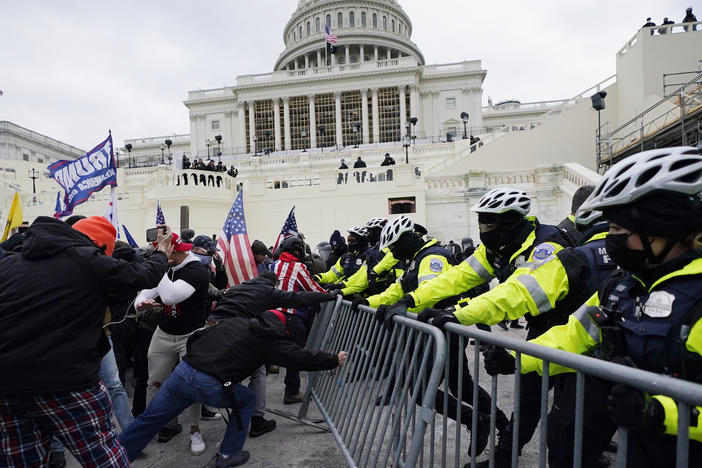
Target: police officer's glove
{"type": "Point", "coordinates": [398, 308]}
{"type": "Point", "coordinates": [431, 313]}
{"type": "Point", "coordinates": [440, 321]}
{"type": "Point", "coordinates": [498, 361]}
{"type": "Point", "coordinates": [631, 407]}
{"type": "Point", "coordinates": [335, 286]}
{"type": "Point", "coordinates": [358, 300]}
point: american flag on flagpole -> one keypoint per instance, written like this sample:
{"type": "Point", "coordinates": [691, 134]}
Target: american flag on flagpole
{"type": "Point", "coordinates": [160, 220]}
{"type": "Point", "coordinates": [289, 229]}
{"type": "Point", "coordinates": [234, 243]}
{"type": "Point", "coordinates": [58, 209]}
{"type": "Point", "coordinates": [330, 38]}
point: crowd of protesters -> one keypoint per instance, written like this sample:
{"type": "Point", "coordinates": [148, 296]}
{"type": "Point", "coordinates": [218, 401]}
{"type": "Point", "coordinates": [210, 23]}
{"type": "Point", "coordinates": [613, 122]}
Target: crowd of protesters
{"type": "Point", "coordinates": [210, 165]}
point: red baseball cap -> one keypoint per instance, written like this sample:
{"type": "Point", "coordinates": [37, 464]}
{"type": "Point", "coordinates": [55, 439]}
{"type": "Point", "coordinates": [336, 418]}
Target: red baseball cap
{"type": "Point", "coordinates": [178, 244]}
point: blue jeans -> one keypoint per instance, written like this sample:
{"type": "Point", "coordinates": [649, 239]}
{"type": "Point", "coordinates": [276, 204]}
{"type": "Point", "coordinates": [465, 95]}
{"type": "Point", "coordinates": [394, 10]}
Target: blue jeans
{"type": "Point", "coordinates": [184, 387]}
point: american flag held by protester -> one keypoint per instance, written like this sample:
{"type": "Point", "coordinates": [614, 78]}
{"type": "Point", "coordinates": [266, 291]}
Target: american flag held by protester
{"type": "Point", "coordinates": [289, 229]}
{"type": "Point", "coordinates": [160, 220]}
{"type": "Point", "coordinates": [234, 243]}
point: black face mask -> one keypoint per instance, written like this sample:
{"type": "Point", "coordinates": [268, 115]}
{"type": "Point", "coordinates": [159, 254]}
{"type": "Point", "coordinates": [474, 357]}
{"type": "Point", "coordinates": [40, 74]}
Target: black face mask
{"type": "Point", "coordinates": [504, 235]}
{"type": "Point", "coordinates": [493, 240]}
{"type": "Point", "coordinates": [633, 261]}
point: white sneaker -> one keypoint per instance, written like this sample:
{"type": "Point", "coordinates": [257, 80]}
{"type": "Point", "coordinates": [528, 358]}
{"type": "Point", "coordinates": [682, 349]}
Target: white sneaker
{"type": "Point", "coordinates": [197, 445]}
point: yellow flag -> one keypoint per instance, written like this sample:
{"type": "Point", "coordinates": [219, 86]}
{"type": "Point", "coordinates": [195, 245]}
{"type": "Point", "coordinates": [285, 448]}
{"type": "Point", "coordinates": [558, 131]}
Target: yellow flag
{"type": "Point", "coordinates": [14, 219]}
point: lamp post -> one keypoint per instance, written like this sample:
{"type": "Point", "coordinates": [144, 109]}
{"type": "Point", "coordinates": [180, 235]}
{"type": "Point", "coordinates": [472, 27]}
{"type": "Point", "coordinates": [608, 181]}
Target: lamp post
{"type": "Point", "coordinates": [407, 140]}
{"type": "Point", "coordinates": [208, 143]}
{"type": "Point", "coordinates": [168, 143]}
{"type": "Point", "coordinates": [321, 132]}
{"type": "Point", "coordinates": [117, 153]}
{"type": "Point", "coordinates": [219, 145]}
{"type": "Point", "coordinates": [32, 175]}
{"type": "Point", "coordinates": [303, 134]}
{"type": "Point", "coordinates": [598, 104]}
{"type": "Point", "coordinates": [129, 154]}
{"type": "Point", "coordinates": [255, 139]}
{"type": "Point", "coordinates": [464, 118]}
{"type": "Point", "coordinates": [414, 121]}
{"type": "Point", "coordinates": [163, 147]}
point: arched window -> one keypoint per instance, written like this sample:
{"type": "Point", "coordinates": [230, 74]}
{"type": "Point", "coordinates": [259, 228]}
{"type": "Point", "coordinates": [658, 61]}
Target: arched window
{"type": "Point", "coordinates": [309, 30]}
{"type": "Point", "coordinates": [294, 36]}
{"type": "Point", "coordinates": [352, 20]}
{"type": "Point", "coordinates": [328, 21]}
{"type": "Point", "coordinates": [363, 19]}
{"type": "Point", "coordinates": [300, 33]}
{"type": "Point", "coordinates": [392, 26]}
{"type": "Point", "coordinates": [316, 25]}
{"type": "Point", "coordinates": [399, 26]}
{"type": "Point", "coordinates": [375, 20]}
{"type": "Point", "coordinates": [339, 20]}
{"type": "Point", "coordinates": [385, 23]}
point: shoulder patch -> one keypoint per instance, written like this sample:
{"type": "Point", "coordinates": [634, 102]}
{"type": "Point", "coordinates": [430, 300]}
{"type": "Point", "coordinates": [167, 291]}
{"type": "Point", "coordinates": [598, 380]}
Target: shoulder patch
{"type": "Point", "coordinates": [543, 252]}
{"type": "Point", "coordinates": [436, 265]}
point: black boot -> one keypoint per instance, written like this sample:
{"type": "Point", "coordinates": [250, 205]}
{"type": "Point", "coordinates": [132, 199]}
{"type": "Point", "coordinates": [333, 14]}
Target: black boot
{"type": "Point", "coordinates": [482, 437]}
{"type": "Point", "coordinates": [260, 426]}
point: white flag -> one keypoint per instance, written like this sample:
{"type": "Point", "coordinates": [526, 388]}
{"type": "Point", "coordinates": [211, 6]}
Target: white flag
{"type": "Point", "coordinates": [111, 209]}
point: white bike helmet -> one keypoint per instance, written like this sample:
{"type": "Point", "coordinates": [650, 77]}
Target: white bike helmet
{"type": "Point", "coordinates": [502, 200]}
{"type": "Point", "coordinates": [358, 231]}
{"type": "Point", "coordinates": [394, 229]}
{"type": "Point", "coordinates": [677, 169]}
{"type": "Point", "coordinates": [376, 223]}
{"type": "Point", "coordinates": [586, 217]}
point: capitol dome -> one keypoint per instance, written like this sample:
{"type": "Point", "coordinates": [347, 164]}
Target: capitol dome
{"type": "Point", "coordinates": [367, 30]}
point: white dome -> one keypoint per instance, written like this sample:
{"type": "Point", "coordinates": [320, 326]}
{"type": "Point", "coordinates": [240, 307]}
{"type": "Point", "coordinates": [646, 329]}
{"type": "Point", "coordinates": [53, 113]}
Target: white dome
{"type": "Point", "coordinates": [363, 26]}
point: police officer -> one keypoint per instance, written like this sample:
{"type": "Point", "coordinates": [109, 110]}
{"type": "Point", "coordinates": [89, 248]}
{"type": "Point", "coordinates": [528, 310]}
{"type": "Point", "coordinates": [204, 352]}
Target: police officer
{"type": "Point", "coordinates": [548, 289]}
{"type": "Point", "coordinates": [649, 314]}
{"type": "Point", "coordinates": [351, 261]}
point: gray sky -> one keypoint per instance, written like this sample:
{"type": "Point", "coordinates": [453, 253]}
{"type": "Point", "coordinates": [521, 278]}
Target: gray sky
{"type": "Point", "coordinates": [73, 69]}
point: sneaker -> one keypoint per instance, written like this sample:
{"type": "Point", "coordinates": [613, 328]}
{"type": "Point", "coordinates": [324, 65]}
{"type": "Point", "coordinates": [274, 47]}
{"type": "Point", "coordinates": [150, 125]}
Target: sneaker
{"type": "Point", "coordinates": [57, 459]}
{"type": "Point", "coordinates": [169, 432]}
{"type": "Point", "coordinates": [207, 415]}
{"type": "Point", "coordinates": [197, 445]}
{"type": "Point", "coordinates": [232, 460]}
{"type": "Point", "coordinates": [503, 325]}
{"type": "Point", "coordinates": [273, 369]}
{"type": "Point", "coordinates": [291, 399]}
{"type": "Point", "coordinates": [260, 426]}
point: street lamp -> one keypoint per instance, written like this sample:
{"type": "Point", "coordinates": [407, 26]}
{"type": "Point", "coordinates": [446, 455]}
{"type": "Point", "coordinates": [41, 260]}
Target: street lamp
{"type": "Point", "coordinates": [117, 153]}
{"type": "Point", "coordinates": [129, 151]}
{"type": "Point", "coordinates": [321, 132]}
{"type": "Point", "coordinates": [255, 139]}
{"type": "Point", "coordinates": [598, 104]}
{"type": "Point", "coordinates": [407, 140]}
{"type": "Point", "coordinates": [163, 147]}
{"type": "Point", "coordinates": [303, 134]}
{"type": "Point", "coordinates": [464, 118]}
{"type": "Point", "coordinates": [219, 151]}
{"type": "Point", "coordinates": [208, 143]}
{"type": "Point", "coordinates": [414, 121]}
{"type": "Point", "coordinates": [168, 143]}
{"type": "Point", "coordinates": [32, 175]}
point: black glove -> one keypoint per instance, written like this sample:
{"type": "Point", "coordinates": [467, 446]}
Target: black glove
{"type": "Point", "coordinates": [358, 300]}
{"type": "Point", "coordinates": [442, 320]}
{"type": "Point", "coordinates": [399, 308]}
{"type": "Point", "coordinates": [631, 407]}
{"type": "Point", "coordinates": [334, 286]}
{"type": "Point", "coordinates": [498, 361]}
{"type": "Point", "coordinates": [429, 313]}
{"type": "Point", "coordinates": [330, 296]}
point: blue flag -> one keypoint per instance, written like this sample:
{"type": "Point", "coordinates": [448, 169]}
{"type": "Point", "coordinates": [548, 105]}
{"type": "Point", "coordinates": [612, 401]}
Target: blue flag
{"type": "Point", "coordinates": [86, 175]}
{"type": "Point", "coordinates": [160, 220]}
{"type": "Point", "coordinates": [58, 209]}
{"type": "Point", "coordinates": [129, 237]}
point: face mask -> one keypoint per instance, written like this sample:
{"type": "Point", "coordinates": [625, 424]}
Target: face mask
{"type": "Point", "coordinates": [492, 240]}
{"type": "Point", "coordinates": [206, 259]}
{"type": "Point", "coordinates": [628, 259]}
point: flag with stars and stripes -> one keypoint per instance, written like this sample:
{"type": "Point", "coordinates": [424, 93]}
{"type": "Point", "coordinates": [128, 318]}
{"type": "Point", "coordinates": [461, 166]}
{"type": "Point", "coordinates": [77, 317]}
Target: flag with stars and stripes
{"type": "Point", "coordinates": [289, 229]}
{"type": "Point", "coordinates": [330, 38]}
{"type": "Point", "coordinates": [234, 243]}
{"type": "Point", "coordinates": [160, 220]}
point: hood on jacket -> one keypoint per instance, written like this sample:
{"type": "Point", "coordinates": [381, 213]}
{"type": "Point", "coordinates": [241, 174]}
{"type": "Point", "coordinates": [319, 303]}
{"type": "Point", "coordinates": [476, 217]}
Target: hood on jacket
{"type": "Point", "coordinates": [268, 325]}
{"type": "Point", "coordinates": [288, 257]}
{"type": "Point", "coordinates": [48, 236]}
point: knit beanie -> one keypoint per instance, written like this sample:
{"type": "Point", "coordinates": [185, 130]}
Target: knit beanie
{"type": "Point", "coordinates": [259, 248]}
{"type": "Point", "coordinates": [100, 231]}
{"type": "Point", "coordinates": [336, 239]}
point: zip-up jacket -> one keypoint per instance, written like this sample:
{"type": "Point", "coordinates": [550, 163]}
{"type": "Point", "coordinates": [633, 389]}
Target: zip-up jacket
{"type": "Point", "coordinates": [382, 268]}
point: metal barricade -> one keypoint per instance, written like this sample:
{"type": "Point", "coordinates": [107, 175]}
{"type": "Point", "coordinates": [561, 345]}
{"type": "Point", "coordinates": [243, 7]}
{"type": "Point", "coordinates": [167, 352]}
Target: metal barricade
{"type": "Point", "coordinates": [686, 394]}
{"type": "Point", "coordinates": [379, 404]}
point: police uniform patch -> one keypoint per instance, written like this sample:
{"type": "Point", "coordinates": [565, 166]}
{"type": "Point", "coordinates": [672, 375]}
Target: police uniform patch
{"type": "Point", "coordinates": [359, 261]}
{"type": "Point", "coordinates": [659, 304]}
{"type": "Point", "coordinates": [436, 265]}
{"type": "Point", "coordinates": [543, 252]}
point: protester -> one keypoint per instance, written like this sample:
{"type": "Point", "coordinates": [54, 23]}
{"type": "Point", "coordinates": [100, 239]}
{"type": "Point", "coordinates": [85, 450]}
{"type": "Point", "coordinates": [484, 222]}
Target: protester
{"type": "Point", "coordinates": [182, 292]}
{"type": "Point", "coordinates": [261, 256]}
{"type": "Point", "coordinates": [52, 340]}
{"type": "Point", "coordinates": [388, 161]}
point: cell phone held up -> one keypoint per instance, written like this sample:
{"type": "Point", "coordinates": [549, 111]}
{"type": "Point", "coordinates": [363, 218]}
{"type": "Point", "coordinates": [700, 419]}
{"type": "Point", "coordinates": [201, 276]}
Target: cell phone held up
{"type": "Point", "coordinates": [152, 234]}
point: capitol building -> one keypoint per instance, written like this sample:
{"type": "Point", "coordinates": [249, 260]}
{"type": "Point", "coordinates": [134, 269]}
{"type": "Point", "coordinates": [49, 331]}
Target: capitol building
{"type": "Point", "coordinates": [287, 131]}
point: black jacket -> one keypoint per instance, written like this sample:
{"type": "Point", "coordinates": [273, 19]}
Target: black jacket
{"type": "Point", "coordinates": [52, 306]}
{"type": "Point", "coordinates": [257, 295]}
{"type": "Point", "coordinates": [234, 348]}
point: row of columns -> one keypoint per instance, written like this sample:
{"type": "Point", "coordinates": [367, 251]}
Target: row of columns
{"type": "Point", "coordinates": [284, 135]}
{"type": "Point", "coordinates": [297, 65]}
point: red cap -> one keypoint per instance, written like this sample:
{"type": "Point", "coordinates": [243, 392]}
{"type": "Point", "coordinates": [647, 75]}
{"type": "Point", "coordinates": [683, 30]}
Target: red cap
{"type": "Point", "coordinates": [178, 244]}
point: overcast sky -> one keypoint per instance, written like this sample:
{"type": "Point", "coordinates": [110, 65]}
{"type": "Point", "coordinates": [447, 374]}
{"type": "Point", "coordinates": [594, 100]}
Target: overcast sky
{"type": "Point", "coordinates": [74, 69]}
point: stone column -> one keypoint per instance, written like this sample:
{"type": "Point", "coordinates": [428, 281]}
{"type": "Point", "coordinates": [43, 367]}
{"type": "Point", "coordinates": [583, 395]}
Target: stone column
{"type": "Point", "coordinates": [375, 53]}
{"type": "Point", "coordinates": [319, 58]}
{"type": "Point", "coordinates": [286, 122]}
{"type": "Point", "coordinates": [276, 123]}
{"type": "Point", "coordinates": [307, 61]}
{"type": "Point", "coordinates": [313, 123]}
{"type": "Point", "coordinates": [376, 116]}
{"type": "Point", "coordinates": [337, 109]}
{"type": "Point", "coordinates": [364, 115]}
{"type": "Point", "coordinates": [414, 101]}
{"type": "Point", "coordinates": [252, 127]}
{"type": "Point", "coordinates": [348, 55]}
{"type": "Point", "coordinates": [228, 137]}
{"type": "Point", "coordinates": [403, 112]}
{"type": "Point", "coordinates": [435, 113]}
{"type": "Point", "coordinates": [241, 141]}
{"type": "Point", "coordinates": [362, 53]}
